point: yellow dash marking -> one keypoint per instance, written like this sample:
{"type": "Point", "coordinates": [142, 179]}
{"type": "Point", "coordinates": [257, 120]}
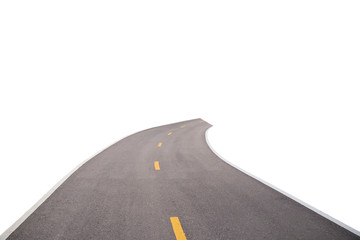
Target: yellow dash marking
{"type": "Point", "coordinates": [183, 126]}
{"type": "Point", "coordinates": [169, 133]}
{"type": "Point", "coordinates": [156, 165]}
{"type": "Point", "coordinates": [159, 144]}
{"type": "Point", "coordinates": [179, 232]}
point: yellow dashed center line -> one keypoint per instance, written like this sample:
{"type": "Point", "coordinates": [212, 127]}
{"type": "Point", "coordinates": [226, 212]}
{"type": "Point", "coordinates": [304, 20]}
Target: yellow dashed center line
{"type": "Point", "coordinates": [156, 165]}
{"type": "Point", "coordinates": [169, 133]}
{"type": "Point", "coordinates": [183, 126]}
{"type": "Point", "coordinates": [179, 232]}
{"type": "Point", "coordinates": [159, 144]}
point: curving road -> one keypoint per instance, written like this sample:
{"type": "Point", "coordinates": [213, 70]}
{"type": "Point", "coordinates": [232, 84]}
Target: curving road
{"type": "Point", "coordinates": [166, 183]}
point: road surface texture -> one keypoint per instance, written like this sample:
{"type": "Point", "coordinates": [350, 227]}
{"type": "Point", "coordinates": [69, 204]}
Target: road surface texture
{"type": "Point", "coordinates": [166, 183]}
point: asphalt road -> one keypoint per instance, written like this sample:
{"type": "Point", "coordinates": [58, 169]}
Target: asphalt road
{"type": "Point", "coordinates": [166, 183]}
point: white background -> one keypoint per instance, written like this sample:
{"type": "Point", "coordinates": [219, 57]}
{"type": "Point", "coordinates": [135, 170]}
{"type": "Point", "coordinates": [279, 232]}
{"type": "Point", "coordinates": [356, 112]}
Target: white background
{"type": "Point", "coordinates": [279, 80]}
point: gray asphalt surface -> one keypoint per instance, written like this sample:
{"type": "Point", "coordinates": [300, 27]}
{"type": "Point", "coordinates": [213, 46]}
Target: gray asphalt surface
{"type": "Point", "coordinates": [119, 195]}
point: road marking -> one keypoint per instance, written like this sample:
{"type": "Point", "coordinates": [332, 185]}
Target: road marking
{"type": "Point", "coordinates": [179, 232]}
{"type": "Point", "coordinates": [183, 126]}
{"type": "Point", "coordinates": [169, 133]}
{"type": "Point", "coordinates": [159, 144]}
{"type": "Point", "coordinates": [156, 165]}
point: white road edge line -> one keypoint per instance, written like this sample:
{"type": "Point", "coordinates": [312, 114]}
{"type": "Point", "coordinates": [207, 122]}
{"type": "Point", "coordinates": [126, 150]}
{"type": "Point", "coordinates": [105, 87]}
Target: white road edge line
{"type": "Point", "coordinates": [13, 227]}
{"type": "Point", "coordinates": [353, 230]}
